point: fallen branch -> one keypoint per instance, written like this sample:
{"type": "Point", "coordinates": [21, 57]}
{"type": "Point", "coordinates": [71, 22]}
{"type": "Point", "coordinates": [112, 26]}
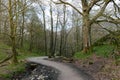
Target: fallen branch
{"type": "Point", "coordinates": [6, 59]}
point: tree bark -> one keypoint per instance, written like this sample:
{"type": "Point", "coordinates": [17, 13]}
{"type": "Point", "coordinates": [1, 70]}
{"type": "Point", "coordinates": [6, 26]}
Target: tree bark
{"type": "Point", "coordinates": [51, 35]}
{"type": "Point", "coordinates": [86, 36]}
{"type": "Point", "coordinates": [0, 18]}
{"type": "Point", "coordinates": [86, 27]}
{"type": "Point", "coordinates": [23, 22]}
{"type": "Point", "coordinates": [31, 38]}
{"type": "Point", "coordinates": [45, 34]}
{"type": "Point", "coordinates": [55, 41]}
{"type": "Point", "coordinates": [12, 32]}
{"type": "Point", "coordinates": [63, 33]}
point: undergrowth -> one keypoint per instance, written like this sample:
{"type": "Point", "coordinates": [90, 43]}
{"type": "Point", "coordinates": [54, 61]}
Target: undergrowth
{"type": "Point", "coordinates": [102, 50]}
{"type": "Point", "coordinates": [7, 69]}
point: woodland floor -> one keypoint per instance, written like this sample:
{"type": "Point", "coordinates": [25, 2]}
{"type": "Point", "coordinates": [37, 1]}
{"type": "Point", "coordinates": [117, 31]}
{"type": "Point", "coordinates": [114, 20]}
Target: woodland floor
{"type": "Point", "coordinates": [98, 67]}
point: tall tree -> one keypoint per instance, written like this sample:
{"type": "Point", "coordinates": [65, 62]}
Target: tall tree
{"type": "Point", "coordinates": [1, 15]}
{"type": "Point", "coordinates": [56, 33]}
{"type": "Point", "coordinates": [45, 34]}
{"type": "Point", "coordinates": [32, 25]}
{"type": "Point", "coordinates": [23, 22]}
{"type": "Point", "coordinates": [52, 33]}
{"type": "Point", "coordinates": [87, 21]}
{"type": "Point", "coordinates": [63, 32]}
{"type": "Point", "coordinates": [31, 35]}
{"type": "Point", "coordinates": [13, 27]}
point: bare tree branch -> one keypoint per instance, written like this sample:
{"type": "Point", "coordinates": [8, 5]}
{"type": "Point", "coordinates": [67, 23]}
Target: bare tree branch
{"type": "Point", "coordinates": [117, 20]}
{"type": "Point", "coordinates": [4, 5]}
{"type": "Point", "coordinates": [92, 3]}
{"type": "Point", "coordinates": [101, 11]}
{"type": "Point", "coordinates": [67, 3]}
{"type": "Point", "coordinates": [111, 32]}
{"type": "Point", "coordinates": [110, 21]}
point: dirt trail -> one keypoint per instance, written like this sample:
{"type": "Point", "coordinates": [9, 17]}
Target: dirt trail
{"type": "Point", "coordinates": [66, 72]}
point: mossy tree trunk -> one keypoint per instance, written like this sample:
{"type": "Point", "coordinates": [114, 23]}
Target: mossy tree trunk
{"type": "Point", "coordinates": [13, 27]}
{"type": "Point", "coordinates": [86, 27]}
{"type": "Point", "coordinates": [0, 17]}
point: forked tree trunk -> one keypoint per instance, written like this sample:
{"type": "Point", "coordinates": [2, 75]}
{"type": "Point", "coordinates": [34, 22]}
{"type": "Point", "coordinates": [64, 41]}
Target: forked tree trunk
{"type": "Point", "coordinates": [12, 32]}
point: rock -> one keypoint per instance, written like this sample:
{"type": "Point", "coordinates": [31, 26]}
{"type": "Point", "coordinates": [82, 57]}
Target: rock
{"type": "Point", "coordinates": [37, 72]}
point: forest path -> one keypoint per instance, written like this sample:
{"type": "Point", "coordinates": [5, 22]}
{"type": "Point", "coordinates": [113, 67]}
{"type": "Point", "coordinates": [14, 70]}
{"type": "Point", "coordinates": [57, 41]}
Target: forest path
{"type": "Point", "coordinates": [66, 72]}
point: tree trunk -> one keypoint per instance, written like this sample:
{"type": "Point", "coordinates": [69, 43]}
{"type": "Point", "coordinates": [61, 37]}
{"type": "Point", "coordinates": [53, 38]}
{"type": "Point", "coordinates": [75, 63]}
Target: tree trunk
{"type": "Point", "coordinates": [14, 50]}
{"type": "Point", "coordinates": [55, 41]}
{"type": "Point", "coordinates": [23, 23]}
{"type": "Point", "coordinates": [63, 33]}
{"type": "Point", "coordinates": [61, 43]}
{"type": "Point", "coordinates": [77, 37]}
{"type": "Point", "coordinates": [0, 18]}
{"type": "Point", "coordinates": [86, 27]}
{"type": "Point", "coordinates": [45, 37]}
{"type": "Point", "coordinates": [13, 32]}
{"type": "Point", "coordinates": [51, 35]}
{"type": "Point", "coordinates": [31, 38]}
{"type": "Point", "coordinates": [86, 33]}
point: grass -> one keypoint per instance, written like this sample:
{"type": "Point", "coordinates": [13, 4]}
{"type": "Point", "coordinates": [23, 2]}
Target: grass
{"type": "Point", "coordinates": [7, 71]}
{"type": "Point", "coordinates": [4, 46]}
{"type": "Point", "coordinates": [81, 55]}
{"type": "Point", "coordinates": [26, 54]}
{"type": "Point", "coordinates": [3, 50]}
{"type": "Point", "coordinates": [2, 55]}
{"type": "Point", "coordinates": [102, 50]}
